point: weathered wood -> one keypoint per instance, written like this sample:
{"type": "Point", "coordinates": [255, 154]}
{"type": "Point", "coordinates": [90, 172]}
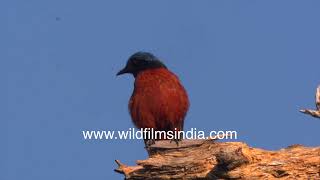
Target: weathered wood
{"type": "Point", "coordinates": [206, 159]}
{"type": "Point", "coordinates": [314, 113]}
{"type": "Point", "coordinates": [199, 159]}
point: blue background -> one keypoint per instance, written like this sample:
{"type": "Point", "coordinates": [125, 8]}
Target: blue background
{"type": "Point", "coordinates": [247, 65]}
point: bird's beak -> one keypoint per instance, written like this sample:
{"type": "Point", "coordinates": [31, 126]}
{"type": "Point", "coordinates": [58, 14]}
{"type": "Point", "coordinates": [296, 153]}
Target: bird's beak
{"type": "Point", "coordinates": [122, 71]}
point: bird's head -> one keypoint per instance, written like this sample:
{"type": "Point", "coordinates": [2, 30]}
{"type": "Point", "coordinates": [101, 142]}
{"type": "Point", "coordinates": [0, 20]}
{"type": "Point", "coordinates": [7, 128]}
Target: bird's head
{"type": "Point", "coordinates": [139, 62]}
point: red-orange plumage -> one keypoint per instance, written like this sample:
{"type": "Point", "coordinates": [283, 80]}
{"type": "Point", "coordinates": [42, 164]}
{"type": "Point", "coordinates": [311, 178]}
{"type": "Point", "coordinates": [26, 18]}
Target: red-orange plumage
{"type": "Point", "coordinates": [158, 101]}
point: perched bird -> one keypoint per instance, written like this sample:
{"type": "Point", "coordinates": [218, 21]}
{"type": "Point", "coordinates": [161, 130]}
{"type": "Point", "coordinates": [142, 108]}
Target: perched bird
{"type": "Point", "coordinates": [159, 100]}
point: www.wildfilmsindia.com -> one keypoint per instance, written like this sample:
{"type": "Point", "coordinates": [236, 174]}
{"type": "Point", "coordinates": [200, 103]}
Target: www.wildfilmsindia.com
{"type": "Point", "coordinates": [150, 133]}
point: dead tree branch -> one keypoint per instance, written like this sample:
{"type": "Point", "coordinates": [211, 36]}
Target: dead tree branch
{"type": "Point", "coordinates": [199, 159]}
{"type": "Point", "coordinates": [314, 113]}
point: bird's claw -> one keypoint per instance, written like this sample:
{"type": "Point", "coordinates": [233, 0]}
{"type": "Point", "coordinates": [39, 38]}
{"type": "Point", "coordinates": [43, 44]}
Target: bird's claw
{"type": "Point", "coordinates": [176, 141]}
{"type": "Point", "coordinates": [149, 142]}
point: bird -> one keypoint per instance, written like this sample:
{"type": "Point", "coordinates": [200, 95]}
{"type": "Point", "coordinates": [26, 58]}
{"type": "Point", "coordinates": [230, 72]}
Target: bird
{"type": "Point", "coordinates": [159, 100]}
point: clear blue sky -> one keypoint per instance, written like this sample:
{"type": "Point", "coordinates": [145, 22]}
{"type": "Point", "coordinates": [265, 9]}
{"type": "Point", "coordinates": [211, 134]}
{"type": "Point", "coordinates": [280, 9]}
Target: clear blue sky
{"type": "Point", "coordinates": [247, 65]}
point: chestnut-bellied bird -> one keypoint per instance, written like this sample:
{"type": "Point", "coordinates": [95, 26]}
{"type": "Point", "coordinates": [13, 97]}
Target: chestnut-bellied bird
{"type": "Point", "coordinates": [159, 100]}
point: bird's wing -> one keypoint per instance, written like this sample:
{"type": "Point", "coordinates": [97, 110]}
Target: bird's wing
{"type": "Point", "coordinates": [318, 98]}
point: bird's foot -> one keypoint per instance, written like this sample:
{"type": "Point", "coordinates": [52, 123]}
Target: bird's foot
{"type": "Point", "coordinates": [149, 142]}
{"type": "Point", "coordinates": [177, 141]}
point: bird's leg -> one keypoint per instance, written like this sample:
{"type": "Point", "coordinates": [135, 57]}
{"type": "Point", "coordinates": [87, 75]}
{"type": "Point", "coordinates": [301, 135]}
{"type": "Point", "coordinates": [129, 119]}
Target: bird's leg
{"type": "Point", "coordinates": [177, 141]}
{"type": "Point", "coordinates": [149, 138]}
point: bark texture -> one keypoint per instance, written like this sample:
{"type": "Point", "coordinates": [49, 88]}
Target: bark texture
{"type": "Point", "coordinates": [206, 159]}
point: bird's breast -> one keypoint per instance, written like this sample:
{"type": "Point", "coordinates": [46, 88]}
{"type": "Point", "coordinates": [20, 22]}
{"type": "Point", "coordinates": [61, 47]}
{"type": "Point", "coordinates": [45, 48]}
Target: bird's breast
{"type": "Point", "coordinates": [158, 96]}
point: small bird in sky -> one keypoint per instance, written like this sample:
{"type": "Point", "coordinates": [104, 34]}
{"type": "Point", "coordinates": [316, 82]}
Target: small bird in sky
{"type": "Point", "coordinates": [159, 100]}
